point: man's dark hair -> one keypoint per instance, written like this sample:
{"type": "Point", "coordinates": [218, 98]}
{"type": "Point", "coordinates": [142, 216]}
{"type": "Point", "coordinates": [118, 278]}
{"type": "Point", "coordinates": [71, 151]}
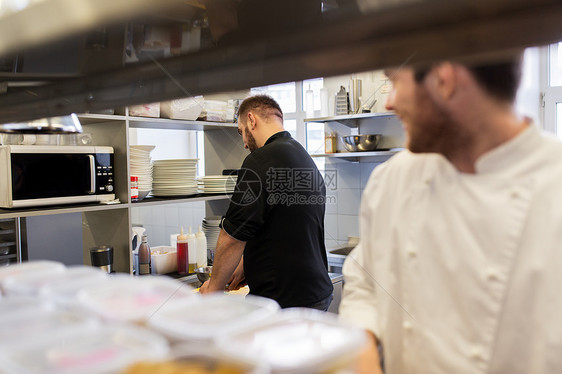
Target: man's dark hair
{"type": "Point", "coordinates": [263, 104]}
{"type": "Point", "coordinates": [500, 79]}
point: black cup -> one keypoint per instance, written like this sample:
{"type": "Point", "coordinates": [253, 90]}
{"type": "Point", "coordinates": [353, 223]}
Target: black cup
{"type": "Point", "coordinates": [102, 257]}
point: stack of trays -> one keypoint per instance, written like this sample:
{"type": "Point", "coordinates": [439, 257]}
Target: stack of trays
{"type": "Point", "coordinates": [210, 226]}
{"type": "Point", "coordinates": [174, 177]}
{"type": "Point", "coordinates": [141, 166]}
{"type": "Point", "coordinates": [216, 184]}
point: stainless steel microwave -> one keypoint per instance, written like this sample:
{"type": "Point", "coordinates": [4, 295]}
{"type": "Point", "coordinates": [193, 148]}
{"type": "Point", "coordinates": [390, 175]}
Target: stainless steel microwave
{"type": "Point", "coordinates": [35, 175]}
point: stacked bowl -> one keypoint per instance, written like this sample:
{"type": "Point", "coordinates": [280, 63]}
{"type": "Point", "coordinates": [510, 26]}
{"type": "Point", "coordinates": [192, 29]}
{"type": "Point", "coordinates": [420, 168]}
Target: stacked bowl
{"type": "Point", "coordinates": [141, 166]}
{"type": "Point", "coordinates": [211, 229]}
{"type": "Point", "coordinates": [174, 177]}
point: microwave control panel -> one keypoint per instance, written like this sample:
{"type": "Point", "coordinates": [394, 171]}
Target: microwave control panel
{"type": "Point", "coordinates": [104, 173]}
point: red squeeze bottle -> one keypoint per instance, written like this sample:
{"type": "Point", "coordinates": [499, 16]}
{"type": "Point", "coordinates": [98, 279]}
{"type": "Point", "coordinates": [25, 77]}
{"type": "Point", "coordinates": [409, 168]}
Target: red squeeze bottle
{"type": "Point", "coordinates": [182, 253]}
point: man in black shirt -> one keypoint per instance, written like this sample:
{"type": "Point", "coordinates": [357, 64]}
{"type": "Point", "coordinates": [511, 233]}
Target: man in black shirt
{"type": "Point", "coordinates": [272, 236]}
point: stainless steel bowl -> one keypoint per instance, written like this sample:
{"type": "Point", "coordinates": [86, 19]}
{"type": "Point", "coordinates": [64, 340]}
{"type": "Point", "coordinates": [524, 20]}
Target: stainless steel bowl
{"type": "Point", "coordinates": [361, 143]}
{"type": "Point", "coordinates": [204, 273]}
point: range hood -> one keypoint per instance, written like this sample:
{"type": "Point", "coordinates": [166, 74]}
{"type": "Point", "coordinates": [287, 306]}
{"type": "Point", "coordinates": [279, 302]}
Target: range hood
{"type": "Point", "coordinates": [353, 36]}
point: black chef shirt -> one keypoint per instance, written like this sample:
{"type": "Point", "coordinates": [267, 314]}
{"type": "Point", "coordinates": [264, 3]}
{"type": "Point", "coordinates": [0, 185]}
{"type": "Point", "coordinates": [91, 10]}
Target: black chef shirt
{"type": "Point", "coordinates": [278, 209]}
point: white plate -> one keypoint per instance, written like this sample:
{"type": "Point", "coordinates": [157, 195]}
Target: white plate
{"type": "Point", "coordinates": [144, 148]}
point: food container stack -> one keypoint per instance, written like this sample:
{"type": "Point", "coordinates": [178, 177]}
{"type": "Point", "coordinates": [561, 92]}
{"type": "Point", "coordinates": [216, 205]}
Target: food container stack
{"type": "Point", "coordinates": [188, 108]}
{"type": "Point", "coordinates": [215, 111]}
{"type": "Point", "coordinates": [155, 324]}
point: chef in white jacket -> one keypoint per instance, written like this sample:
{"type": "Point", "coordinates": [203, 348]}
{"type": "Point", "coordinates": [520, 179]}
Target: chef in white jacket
{"type": "Point", "coordinates": [459, 268]}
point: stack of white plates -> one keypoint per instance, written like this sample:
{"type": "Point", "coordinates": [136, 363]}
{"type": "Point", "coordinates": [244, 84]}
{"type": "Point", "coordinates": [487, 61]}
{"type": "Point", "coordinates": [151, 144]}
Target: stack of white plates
{"type": "Point", "coordinates": [174, 177]}
{"type": "Point", "coordinates": [216, 183]}
{"type": "Point", "coordinates": [141, 166]}
{"type": "Point", "coordinates": [210, 226]}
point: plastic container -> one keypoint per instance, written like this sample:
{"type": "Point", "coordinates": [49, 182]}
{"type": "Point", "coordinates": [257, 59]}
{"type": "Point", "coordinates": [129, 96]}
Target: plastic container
{"type": "Point", "coordinates": [145, 110]}
{"type": "Point", "coordinates": [187, 108]}
{"type": "Point", "coordinates": [133, 299]}
{"type": "Point", "coordinates": [18, 305]}
{"type": "Point", "coordinates": [13, 272]}
{"type": "Point", "coordinates": [201, 248]}
{"type": "Point", "coordinates": [64, 292]}
{"type": "Point", "coordinates": [192, 359]}
{"type": "Point", "coordinates": [164, 260]}
{"type": "Point", "coordinates": [31, 283]}
{"type": "Point", "coordinates": [215, 110]}
{"type": "Point", "coordinates": [42, 322]}
{"type": "Point", "coordinates": [209, 317]}
{"type": "Point", "coordinates": [182, 253]}
{"type": "Point", "coordinates": [298, 340]}
{"type": "Point", "coordinates": [106, 350]}
{"type": "Point", "coordinates": [192, 251]}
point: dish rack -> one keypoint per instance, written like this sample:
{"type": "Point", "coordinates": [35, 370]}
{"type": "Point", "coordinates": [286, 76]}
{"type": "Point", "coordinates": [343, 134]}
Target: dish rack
{"type": "Point", "coordinates": [10, 241]}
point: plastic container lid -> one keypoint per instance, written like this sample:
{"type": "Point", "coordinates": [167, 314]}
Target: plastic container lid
{"type": "Point", "coordinates": [189, 358]}
{"type": "Point", "coordinates": [134, 299]}
{"type": "Point", "coordinates": [42, 323]}
{"type": "Point", "coordinates": [106, 350]}
{"type": "Point", "coordinates": [298, 340]}
{"type": "Point", "coordinates": [31, 283]}
{"type": "Point", "coordinates": [38, 267]}
{"type": "Point", "coordinates": [18, 305]}
{"type": "Point", "coordinates": [211, 316]}
{"type": "Point", "coordinates": [61, 290]}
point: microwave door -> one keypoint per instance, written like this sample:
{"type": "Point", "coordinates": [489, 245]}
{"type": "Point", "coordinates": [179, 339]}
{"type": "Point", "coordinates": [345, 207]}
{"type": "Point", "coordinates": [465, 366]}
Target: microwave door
{"type": "Point", "coordinates": [92, 163]}
{"type": "Point", "coordinates": [52, 175]}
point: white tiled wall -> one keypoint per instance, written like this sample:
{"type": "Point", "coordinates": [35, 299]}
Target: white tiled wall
{"type": "Point", "coordinates": [162, 221]}
{"type": "Point", "coordinates": [342, 218]}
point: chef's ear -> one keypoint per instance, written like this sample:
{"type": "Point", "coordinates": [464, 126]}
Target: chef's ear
{"type": "Point", "coordinates": [446, 79]}
{"type": "Point", "coordinates": [251, 120]}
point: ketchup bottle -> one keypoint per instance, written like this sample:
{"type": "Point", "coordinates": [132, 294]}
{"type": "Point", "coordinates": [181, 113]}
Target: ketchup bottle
{"type": "Point", "coordinates": [182, 253]}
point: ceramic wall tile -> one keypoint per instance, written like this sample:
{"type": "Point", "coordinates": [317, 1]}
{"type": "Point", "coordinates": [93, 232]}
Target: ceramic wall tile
{"type": "Point", "coordinates": [348, 225]}
{"type": "Point", "coordinates": [349, 201]}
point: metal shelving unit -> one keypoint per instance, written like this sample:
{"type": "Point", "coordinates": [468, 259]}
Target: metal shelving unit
{"type": "Point", "coordinates": [10, 241]}
{"type": "Point", "coordinates": [372, 156]}
{"type": "Point", "coordinates": [351, 120]}
{"type": "Point", "coordinates": [111, 223]}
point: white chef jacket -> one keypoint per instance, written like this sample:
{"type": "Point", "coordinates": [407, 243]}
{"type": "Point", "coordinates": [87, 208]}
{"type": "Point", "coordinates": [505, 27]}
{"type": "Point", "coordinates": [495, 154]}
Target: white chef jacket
{"type": "Point", "coordinates": [462, 273]}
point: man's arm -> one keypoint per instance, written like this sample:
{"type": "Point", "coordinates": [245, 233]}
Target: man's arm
{"type": "Point", "coordinates": [228, 253]}
{"type": "Point", "coordinates": [369, 360]}
{"type": "Point", "coordinates": [238, 279]}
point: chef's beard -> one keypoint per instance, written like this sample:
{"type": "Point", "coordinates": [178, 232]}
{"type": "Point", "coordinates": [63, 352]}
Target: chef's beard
{"type": "Point", "coordinates": [250, 140]}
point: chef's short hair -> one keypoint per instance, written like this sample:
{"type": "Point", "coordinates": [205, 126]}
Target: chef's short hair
{"type": "Point", "coordinates": [500, 79]}
{"type": "Point", "coordinates": [265, 105]}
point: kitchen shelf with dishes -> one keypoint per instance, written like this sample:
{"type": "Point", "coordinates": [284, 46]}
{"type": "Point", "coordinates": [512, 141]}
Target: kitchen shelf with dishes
{"type": "Point", "coordinates": [384, 124]}
{"type": "Point", "coordinates": [110, 224]}
{"type": "Point", "coordinates": [156, 122]}
{"type": "Point", "coordinates": [152, 200]}
{"type": "Point", "coordinates": [376, 155]}
{"type": "Point", "coordinates": [59, 209]}
{"type": "Point", "coordinates": [350, 120]}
